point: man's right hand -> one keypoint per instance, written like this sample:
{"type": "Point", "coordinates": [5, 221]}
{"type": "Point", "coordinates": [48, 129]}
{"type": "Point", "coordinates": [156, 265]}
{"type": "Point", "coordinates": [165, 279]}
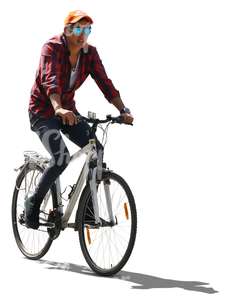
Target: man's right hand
{"type": "Point", "coordinates": [68, 116]}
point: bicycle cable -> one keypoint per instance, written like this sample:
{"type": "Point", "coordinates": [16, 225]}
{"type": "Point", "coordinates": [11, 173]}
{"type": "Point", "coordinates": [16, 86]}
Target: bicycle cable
{"type": "Point", "coordinates": [61, 194]}
{"type": "Point", "coordinates": [105, 133]}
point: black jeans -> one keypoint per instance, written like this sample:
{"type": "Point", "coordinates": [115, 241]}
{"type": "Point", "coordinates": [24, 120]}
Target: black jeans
{"type": "Point", "coordinates": [50, 136]}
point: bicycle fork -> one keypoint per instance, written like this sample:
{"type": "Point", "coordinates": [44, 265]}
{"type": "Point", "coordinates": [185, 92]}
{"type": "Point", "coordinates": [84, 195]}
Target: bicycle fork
{"type": "Point", "coordinates": [108, 200]}
{"type": "Point", "coordinates": [93, 188]}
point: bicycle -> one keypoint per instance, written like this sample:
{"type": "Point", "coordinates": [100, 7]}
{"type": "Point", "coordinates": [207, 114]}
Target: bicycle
{"type": "Point", "coordinates": [106, 217]}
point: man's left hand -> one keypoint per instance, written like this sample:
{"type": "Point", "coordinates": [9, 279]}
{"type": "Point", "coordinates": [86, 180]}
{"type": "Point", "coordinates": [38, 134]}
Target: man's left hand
{"type": "Point", "coordinates": [127, 118]}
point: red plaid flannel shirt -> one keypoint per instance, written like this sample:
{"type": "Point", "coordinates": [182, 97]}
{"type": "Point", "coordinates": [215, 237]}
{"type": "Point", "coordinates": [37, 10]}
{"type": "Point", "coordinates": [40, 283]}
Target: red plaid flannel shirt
{"type": "Point", "coordinates": [53, 77]}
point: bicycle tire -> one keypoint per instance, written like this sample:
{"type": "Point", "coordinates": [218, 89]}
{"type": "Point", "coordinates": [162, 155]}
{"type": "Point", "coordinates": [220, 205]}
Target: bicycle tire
{"type": "Point", "coordinates": [81, 216]}
{"type": "Point", "coordinates": [33, 256]}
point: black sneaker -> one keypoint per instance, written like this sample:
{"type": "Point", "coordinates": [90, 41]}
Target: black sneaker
{"type": "Point", "coordinates": [31, 214]}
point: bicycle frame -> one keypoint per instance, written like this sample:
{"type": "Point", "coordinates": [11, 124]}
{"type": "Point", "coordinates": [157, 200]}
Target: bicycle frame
{"type": "Point", "coordinates": [96, 173]}
{"type": "Point", "coordinates": [91, 153]}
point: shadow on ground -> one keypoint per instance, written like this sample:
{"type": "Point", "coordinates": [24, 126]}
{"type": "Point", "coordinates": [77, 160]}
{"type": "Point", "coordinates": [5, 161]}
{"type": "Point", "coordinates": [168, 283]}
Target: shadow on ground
{"type": "Point", "coordinates": [139, 280]}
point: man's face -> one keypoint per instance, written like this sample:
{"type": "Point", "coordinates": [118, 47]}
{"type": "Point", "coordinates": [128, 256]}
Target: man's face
{"type": "Point", "coordinates": [80, 33]}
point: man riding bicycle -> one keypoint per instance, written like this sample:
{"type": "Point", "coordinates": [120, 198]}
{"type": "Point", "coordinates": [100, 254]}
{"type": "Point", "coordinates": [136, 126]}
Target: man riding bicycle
{"type": "Point", "coordinates": [66, 61]}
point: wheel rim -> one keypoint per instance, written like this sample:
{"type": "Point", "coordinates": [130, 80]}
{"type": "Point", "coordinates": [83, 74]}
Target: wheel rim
{"type": "Point", "coordinates": [107, 246]}
{"type": "Point", "coordinates": [31, 242]}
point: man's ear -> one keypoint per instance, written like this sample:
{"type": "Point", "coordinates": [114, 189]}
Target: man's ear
{"type": "Point", "coordinates": [68, 30]}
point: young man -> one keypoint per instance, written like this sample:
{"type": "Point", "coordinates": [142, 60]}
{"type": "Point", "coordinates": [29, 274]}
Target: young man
{"type": "Point", "coordinates": [66, 61]}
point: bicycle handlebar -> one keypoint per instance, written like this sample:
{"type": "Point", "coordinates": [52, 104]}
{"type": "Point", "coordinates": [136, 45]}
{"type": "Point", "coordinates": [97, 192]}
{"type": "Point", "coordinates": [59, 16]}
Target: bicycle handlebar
{"type": "Point", "coordinates": [109, 118]}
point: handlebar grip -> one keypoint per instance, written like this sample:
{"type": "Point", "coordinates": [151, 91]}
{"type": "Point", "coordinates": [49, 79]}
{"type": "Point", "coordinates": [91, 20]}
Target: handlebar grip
{"type": "Point", "coordinates": [120, 121]}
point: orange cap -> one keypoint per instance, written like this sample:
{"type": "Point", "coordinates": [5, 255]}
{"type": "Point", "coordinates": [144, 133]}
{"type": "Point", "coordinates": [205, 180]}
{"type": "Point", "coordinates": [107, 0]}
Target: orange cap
{"type": "Point", "coordinates": [75, 16]}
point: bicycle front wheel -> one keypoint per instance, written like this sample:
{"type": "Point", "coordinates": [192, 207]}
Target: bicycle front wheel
{"type": "Point", "coordinates": [32, 243]}
{"type": "Point", "coordinates": [107, 247]}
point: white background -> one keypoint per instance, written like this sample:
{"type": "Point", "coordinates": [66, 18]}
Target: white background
{"type": "Point", "coordinates": [169, 60]}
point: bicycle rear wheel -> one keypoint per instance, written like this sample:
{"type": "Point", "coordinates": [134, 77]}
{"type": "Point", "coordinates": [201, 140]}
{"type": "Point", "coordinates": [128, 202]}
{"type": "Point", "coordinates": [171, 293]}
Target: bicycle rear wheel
{"type": "Point", "coordinates": [107, 247]}
{"type": "Point", "coordinates": [34, 244]}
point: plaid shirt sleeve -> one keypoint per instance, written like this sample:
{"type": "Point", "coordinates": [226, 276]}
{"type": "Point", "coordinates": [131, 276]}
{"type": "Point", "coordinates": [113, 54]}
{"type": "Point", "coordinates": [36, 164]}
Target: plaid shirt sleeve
{"type": "Point", "coordinates": [98, 73]}
{"type": "Point", "coordinates": [51, 70]}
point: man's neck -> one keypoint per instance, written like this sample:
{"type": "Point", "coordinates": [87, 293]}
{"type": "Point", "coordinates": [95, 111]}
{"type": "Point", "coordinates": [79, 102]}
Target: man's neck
{"type": "Point", "coordinates": [74, 50]}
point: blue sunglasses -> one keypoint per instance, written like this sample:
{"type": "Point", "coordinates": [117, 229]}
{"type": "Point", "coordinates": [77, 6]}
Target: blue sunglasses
{"type": "Point", "coordinates": [78, 30]}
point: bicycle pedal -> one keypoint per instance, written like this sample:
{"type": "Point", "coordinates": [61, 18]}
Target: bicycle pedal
{"type": "Point", "coordinates": [106, 223]}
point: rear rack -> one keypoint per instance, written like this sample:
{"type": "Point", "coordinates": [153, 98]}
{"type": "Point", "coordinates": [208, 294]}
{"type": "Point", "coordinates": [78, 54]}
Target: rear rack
{"type": "Point", "coordinates": [35, 157]}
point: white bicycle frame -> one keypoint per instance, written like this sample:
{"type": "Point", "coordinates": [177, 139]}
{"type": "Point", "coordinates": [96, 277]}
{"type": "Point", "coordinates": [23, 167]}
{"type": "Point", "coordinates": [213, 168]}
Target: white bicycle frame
{"type": "Point", "coordinates": [96, 173]}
